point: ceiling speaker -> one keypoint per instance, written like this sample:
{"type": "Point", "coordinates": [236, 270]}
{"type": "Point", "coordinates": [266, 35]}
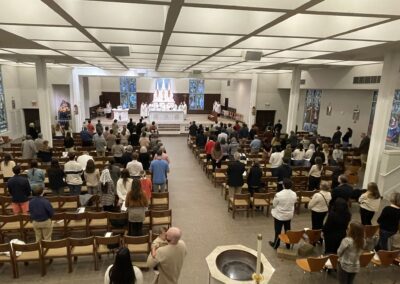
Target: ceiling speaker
{"type": "Point", "coordinates": [119, 50]}
{"type": "Point", "coordinates": [196, 72]}
{"type": "Point", "coordinates": [251, 55]}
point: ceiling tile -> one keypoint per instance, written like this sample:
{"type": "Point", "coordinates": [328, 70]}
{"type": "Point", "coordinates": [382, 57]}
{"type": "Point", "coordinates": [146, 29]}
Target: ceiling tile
{"type": "Point", "coordinates": [201, 40]}
{"type": "Point", "coordinates": [239, 51]}
{"type": "Point", "coordinates": [354, 63]}
{"type": "Point", "coordinates": [222, 21]}
{"type": "Point", "coordinates": [271, 42]}
{"type": "Point", "coordinates": [115, 15]}
{"type": "Point", "coordinates": [190, 50]}
{"type": "Point", "coordinates": [46, 33]}
{"type": "Point", "coordinates": [124, 36]}
{"type": "Point", "coordinates": [277, 4]}
{"type": "Point", "coordinates": [337, 45]}
{"type": "Point", "coordinates": [389, 7]}
{"type": "Point", "coordinates": [305, 25]}
{"type": "Point", "coordinates": [145, 48]}
{"type": "Point", "coordinates": [33, 51]}
{"type": "Point", "coordinates": [299, 54]}
{"type": "Point", "coordinates": [87, 53]}
{"type": "Point", "coordinates": [388, 32]}
{"type": "Point", "coordinates": [70, 45]}
{"type": "Point", "coordinates": [313, 61]}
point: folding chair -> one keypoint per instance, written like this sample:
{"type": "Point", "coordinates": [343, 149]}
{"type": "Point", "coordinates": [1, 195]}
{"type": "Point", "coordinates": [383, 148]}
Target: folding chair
{"type": "Point", "coordinates": [312, 264]}
{"type": "Point", "coordinates": [292, 237]}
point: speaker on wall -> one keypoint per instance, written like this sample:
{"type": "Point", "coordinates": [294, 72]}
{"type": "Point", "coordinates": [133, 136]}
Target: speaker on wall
{"type": "Point", "coordinates": [119, 50]}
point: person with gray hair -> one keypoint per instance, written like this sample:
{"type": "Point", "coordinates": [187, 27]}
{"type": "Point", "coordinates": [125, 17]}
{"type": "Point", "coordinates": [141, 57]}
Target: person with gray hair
{"type": "Point", "coordinates": [343, 190]}
{"type": "Point", "coordinates": [39, 141]}
{"type": "Point", "coordinates": [255, 145]}
{"type": "Point", "coordinates": [168, 259]}
{"type": "Point", "coordinates": [235, 174]}
{"type": "Point", "coordinates": [41, 211]}
{"type": "Point", "coordinates": [28, 148]}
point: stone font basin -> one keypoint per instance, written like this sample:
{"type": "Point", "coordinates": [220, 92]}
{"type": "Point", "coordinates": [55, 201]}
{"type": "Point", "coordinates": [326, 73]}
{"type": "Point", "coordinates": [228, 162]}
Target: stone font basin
{"type": "Point", "coordinates": [237, 264]}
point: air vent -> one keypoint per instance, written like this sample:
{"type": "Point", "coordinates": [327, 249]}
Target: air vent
{"type": "Point", "coordinates": [302, 81]}
{"type": "Point", "coordinates": [119, 50]}
{"type": "Point", "coordinates": [196, 72]}
{"type": "Point", "coordinates": [367, 80]}
{"type": "Point", "coordinates": [251, 55]}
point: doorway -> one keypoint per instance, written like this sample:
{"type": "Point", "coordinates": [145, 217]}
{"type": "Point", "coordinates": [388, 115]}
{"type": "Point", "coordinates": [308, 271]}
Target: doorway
{"type": "Point", "coordinates": [265, 118]}
{"type": "Point", "coordinates": [32, 115]}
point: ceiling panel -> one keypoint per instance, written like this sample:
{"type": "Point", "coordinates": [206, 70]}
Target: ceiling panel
{"type": "Point", "coordinates": [123, 36]}
{"type": "Point", "coordinates": [29, 12]}
{"type": "Point", "coordinates": [33, 51]}
{"type": "Point", "coordinates": [140, 56]}
{"type": "Point", "coordinates": [273, 59]}
{"type": "Point", "coordinates": [183, 57]}
{"type": "Point", "coordinates": [388, 32]}
{"type": "Point", "coordinates": [318, 25]}
{"type": "Point", "coordinates": [313, 61]}
{"type": "Point", "coordinates": [70, 45]}
{"type": "Point", "coordinates": [201, 40]}
{"type": "Point", "coordinates": [190, 50]}
{"type": "Point", "coordinates": [115, 15]}
{"type": "Point", "coordinates": [390, 7]}
{"type": "Point", "coordinates": [2, 51]}
{"type": "Point", "coordinates": [354, 63]}
{"type": "Point", "coordinates": [222, 21]}
{"type": "Point", "coordinates": [271, 42]}
{"type": "Point", "coordinates": [87, 53]}
{"type": "Point", "coordinates": [96, 59]}
{"type": "Point", "coordinates": [46, 33]}
{"type": "Point", "coordinates": [239, 51]}
{"type": "Point", "coordinates": [225, 58]}
{"type": "Point", "coordinates": [145, 48]}
{"type": "Point", "coordinates": [277, 4]}
{"type": "Point", "coordinates": [338, 45]}
{"type": "Point", "coordinates": [299, 54]}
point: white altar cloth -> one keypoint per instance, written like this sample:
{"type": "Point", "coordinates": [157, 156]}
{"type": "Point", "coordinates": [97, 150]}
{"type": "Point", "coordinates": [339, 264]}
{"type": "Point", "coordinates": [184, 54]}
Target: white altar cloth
{"type": "Point", "coordinates": [167, 116]}
{"type": "Point", "coordinates": [121, 115]}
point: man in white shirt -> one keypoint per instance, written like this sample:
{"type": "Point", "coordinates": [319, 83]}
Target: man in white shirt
{"type": "Point", "coordinates": [82, 159]}
{"type": "Point", "coordinates": [134, 167]}
{"type": "Point", "coordinates": [283, 210]}
{"type": "Point", "coordinates": [222, 135]}
{"type": "Point", "coordinates": [73, 175]}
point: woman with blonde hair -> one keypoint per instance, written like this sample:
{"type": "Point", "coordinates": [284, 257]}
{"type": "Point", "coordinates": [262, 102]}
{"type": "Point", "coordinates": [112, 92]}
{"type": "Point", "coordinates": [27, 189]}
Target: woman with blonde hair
{"type": "Point", "coordinates": [6, 166]}
{"type": "Point", "coordinates": [137, 203]}
{"type": "Point", "coordinates": [319, 206]}
{"type": "Point", "coordinates": [349, 253]}
{"type": "Point", "coordinates": [92, 177]}
{"type": "Point", "coordinates": [369, 203]}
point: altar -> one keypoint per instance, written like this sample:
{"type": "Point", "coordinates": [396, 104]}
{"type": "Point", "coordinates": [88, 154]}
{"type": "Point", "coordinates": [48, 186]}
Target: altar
{"type": "Point", "coordinates": [121, 114]}
{"type": "Point", "coordinates": [167, 116]}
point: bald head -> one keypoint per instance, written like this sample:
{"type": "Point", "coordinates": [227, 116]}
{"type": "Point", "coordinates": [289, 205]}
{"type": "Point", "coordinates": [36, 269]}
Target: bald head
{"type": "Point", "coordinates": [174, 235]}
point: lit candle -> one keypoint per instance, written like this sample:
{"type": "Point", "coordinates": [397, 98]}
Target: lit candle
{"type": "Point", "coordinates": [259, 242]}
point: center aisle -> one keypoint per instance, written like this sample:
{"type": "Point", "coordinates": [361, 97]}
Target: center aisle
{"type": "Point", "coordinates": [201, 212]}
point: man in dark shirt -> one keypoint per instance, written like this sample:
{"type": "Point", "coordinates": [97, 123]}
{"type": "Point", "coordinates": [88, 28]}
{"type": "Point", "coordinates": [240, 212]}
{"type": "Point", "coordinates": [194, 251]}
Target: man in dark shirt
{"type": "Point", "coordinates": [284, 171]}
{"type": "Point", "coordinates": [139, 127]}
{"type": "Point", "coordinates": [193, 129]}
{"type": "Point", "coordinates": [41, 212]}
{"type": "Point", "coordinates": [20, 190]}
{"type": "Point", "coordinates": [278, 127]}
{"type": "Point", "coordinates": [201, 140]}
{"type": "Point", "coordinates": [130, 126]}
{"type": "Point", "coordinates": [337, 136]}
{"type": "Point", "coordinates": [235, 174]}
{"type": "Point", "coordinates": [86, 138]}
{"type": "Point", "coordinates": [364, 148]}
{"type": "Point", "coordinates": [344, 190]}
{"type": "Point", "coordinates": [244, 132]}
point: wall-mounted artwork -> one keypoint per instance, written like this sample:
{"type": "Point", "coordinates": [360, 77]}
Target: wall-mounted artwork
{"type": "Point", "coordinates": [394, 123]}
{"type": "Point", "coordinates": [371, 116]}
{"type": "Point", "coordinates": [311, 110]}
{"type": "Point", "coordinates": [128, 97]}
{"type": "Point", "coordinates": [196, 94]}
{"type": "Point", "coordinates": [3, 113]}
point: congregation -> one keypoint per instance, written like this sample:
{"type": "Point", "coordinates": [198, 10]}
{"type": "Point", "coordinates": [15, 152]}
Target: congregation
{"type": "Point", "coordinates": [257, 169]}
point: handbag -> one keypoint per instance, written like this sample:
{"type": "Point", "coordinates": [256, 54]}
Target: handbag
{"type": "Point", "coordinates": [326, 202]}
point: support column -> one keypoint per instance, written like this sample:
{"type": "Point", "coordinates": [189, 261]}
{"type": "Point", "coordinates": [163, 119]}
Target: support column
{"type": "Point", "coordinates": [293, 100]}
{"type": "Point", "coordinates": [43, 100]}
{"type": "Point", "coordinates": [78, 100]}
{"type": "Point", "coordinates": [387, 87]}
{"type": "Point", "coordinates": [253, 100]}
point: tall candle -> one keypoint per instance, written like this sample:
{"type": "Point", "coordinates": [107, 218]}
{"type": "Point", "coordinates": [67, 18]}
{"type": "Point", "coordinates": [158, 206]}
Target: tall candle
{"type": "Point", "coordinates": [259, 242]}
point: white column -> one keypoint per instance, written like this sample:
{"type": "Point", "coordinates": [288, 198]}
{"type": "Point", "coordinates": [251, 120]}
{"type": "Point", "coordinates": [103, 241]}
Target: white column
{"type": "Point", "coordinates": [253, 100]}
{"type": "Point", "coordinates": [293, 100]}
{"type": "Point", "coordinates": [77, 99]}
{"type": "Point", "coordinates": [43, 101]}
{"type": "Point", "coordinates": [389, 79]}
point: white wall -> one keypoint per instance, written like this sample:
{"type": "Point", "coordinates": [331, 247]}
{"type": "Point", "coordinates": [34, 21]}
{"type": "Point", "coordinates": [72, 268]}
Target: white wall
{"type": "Point", "coordinates": [239, 95]}
{"type": "Point", "coordinates": [343, 103]}
{"type": "Point", "coordinates": [269, 97]}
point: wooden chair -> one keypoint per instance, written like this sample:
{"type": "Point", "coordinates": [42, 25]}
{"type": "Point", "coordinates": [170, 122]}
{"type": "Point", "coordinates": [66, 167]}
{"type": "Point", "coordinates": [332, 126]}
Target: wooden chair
{"type": "Point", "coordinates": [239, 202]}
{"type": "Point", "coordinates": [117, 218]}
{"type": "Point", "coordinates": [160, 201]}
{"type": "Point", "coordinates": [139, 248]}
{"type": "Point", "coordinates": [161, 218]}
{"type": "Point", "coordinates": [304, 197]}
{"type": "Point", "coordinates": [333, 258]}
{"type": "Point", "coordinates": [83, 247]}
{"type": "Point", "coordinates": [68, 203]}
{"type": "Point", "coordinates": [259, 200]}
{"type": "Point", "coordinates": [219, 176]}
{"type": "Point", "coordinates": [54, 201]}
{"type": "Point", "coordinates": [5, 202]}
{"type": "Point", "coordinates": [300, 183]}
{"type": "Point", "coordinates": [30, 252]}
{"type": "Point", "coordinates": [386, 259]}
{"type": "Point", "coordinates": [313, 236]}
{"type": "Point", "coordinates": [103, 242]}
{"type": "Point", "coordinates": [26, 226]}
{"type": "Point", "coordinates": [370, 231]}
{"type": "Point", "coordinates": [366, 258]}
{"type": "Point", "coordinates": [59, 224]}
{"type": "Point", "coordinates": [76, 222]}
{"type": "Point", "coordinates": [97, 221]}
{"type": "Point", "coordinates": [56, 249]}
{"type": "Point", "coordinates": [6, 248]}
{"type": "Point", "coordinates": [312, 264]}
{"type": "Point", "coordinates": [10, 224]}
{"type": "Point", "coordinates": [291, 237]}
{"type": "Point", "coordinates": [271, 184]}
{"type": "Point", "coordinates": [147, 222]}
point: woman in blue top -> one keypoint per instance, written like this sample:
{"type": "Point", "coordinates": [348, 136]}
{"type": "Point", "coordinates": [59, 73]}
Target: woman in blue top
{"type": "Point", "coordinates": [35, 175]}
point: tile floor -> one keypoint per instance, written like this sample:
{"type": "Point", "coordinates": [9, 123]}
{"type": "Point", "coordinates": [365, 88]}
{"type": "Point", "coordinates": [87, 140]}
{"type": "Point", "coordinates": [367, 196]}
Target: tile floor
{"type": "Point", "coordinates": [201, 212]}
